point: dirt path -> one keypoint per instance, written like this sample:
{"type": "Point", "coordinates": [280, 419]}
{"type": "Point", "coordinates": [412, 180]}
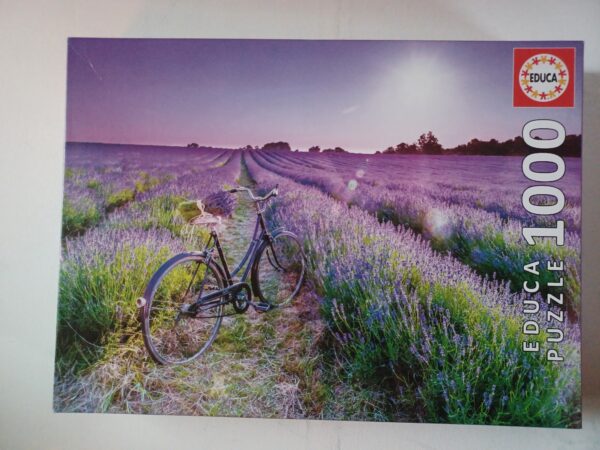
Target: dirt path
{"type": "Point", "coordinates": [261, 364]}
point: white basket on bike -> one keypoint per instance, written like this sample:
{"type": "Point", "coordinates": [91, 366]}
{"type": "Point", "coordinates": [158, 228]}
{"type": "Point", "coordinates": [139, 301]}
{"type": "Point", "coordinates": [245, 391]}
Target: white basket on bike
{"type": "Point", "coordinates": [206, 219]}
{"type": "Point", "coordinates": [194, 213]}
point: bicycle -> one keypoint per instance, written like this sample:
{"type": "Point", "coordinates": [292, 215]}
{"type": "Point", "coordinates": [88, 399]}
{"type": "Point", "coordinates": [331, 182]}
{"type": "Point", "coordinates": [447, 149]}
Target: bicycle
{"type": "Point", "coordinates": [184, 303]}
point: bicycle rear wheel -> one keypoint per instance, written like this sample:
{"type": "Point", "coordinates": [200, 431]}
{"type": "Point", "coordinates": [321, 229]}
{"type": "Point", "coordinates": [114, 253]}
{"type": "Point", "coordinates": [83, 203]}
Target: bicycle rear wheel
{"type": "Point", "coordinates": [279, 269]}
{"type": "Point", "coordinates": [171, 334]}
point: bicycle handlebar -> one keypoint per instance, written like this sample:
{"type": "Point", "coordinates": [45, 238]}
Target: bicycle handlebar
{"type": "Point", "coordinates": [274, 192]}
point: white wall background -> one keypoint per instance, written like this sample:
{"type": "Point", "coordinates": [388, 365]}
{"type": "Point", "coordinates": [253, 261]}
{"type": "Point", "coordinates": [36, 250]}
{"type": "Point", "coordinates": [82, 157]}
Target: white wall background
{"type": "Point", "coordinates": [33, 37]}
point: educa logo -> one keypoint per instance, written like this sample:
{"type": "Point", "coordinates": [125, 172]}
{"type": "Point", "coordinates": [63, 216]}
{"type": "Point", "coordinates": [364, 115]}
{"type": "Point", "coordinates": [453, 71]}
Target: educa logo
{"type": "Point", "coordinates": [544, 77]}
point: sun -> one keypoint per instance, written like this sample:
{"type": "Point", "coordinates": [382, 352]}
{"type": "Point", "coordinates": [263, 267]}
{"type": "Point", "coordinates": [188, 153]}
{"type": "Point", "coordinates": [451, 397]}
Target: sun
{"type": "Point", "coordinates": [424, 80]}
{"type": "Point", "coordinates": [419, 86]}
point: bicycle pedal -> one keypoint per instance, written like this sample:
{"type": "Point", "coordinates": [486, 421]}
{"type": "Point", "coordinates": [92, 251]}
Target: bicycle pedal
{"type": "Point", "coordinates": [262, 307]}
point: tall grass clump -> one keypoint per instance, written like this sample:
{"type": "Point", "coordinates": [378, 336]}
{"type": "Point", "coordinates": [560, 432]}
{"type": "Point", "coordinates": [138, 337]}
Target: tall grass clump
{"type": "Point", "coordinates": [119, 198]}
{"type": "Point", "coordinates": [102, 273]}
{"type": "Point", "coordinates": [79, 214]}
{"type": "Point", "coordinates": [160, 212]}
{"type": "Point", "coordinates": [145, 182]}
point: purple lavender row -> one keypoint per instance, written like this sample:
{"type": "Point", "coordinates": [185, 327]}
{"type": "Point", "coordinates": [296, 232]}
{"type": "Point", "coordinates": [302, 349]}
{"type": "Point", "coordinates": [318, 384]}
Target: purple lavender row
{"type": "Point", "coordinates": [445, 341]}
{"type": "Point", "coordinates": [486, 241]}
{"type": "Point", "coordinates": [494, 184]}
{"type": "Point", "coordinates": [100, 179]}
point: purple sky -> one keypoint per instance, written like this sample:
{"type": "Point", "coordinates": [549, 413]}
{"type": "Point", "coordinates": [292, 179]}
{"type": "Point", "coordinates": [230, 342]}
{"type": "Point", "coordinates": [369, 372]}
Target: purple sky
{"type": "Point", "coordinates": [360, 95]}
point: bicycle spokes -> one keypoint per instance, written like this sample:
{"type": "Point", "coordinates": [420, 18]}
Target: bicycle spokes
{"type": "Point", "coordinates": [273, 260]}
{"type": "Point", "coordinates": [279, 270]}
{"type": "Point", "coordinates": [185, 302]}
{"type": "Point", "coordinates": [176, 333]}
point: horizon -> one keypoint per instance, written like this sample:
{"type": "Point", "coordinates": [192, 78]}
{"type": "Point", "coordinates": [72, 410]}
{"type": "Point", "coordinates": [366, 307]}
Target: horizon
{"type": "Point", "coordinates": [241, 148]}
{"type": "Point", "coordinates": [363, 96]}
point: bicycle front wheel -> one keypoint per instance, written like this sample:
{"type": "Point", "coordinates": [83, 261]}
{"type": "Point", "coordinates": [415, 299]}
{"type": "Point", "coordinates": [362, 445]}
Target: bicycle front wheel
{"type": "Point", "coordinates": [279, 269]}
{"type": "Point", "coordinates": [172, 335]}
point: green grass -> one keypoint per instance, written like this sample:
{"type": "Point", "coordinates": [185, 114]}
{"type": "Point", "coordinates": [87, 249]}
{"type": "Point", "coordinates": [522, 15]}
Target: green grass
{"type": "Point", "coordinates": [97, 303]}
{"type": "Point", "coordinates": [75, 220]}
{"type": "Point", "coordinates": [117, 199]}
{"type": "Point", "coordinates": [94, 184]}
{"type": "Point", "coordinates": [160, 212]}
{"type": "Point", "coordinates": [146, 182]}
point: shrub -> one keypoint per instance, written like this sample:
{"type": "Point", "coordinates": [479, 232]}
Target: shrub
{"type": "Point", "coordinates": [146, 182]}
{"type": "Point", "coordinates": [119, 198]}
{"type": "Point", "coordinates": [94, 184]}
{"type": "Point", "coordinates": [79, 215]}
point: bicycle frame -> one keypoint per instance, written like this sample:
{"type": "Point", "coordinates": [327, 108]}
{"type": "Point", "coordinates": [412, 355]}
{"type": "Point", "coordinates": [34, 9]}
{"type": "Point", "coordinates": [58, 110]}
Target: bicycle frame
{"type": "Point", "coordinates": [216, 289]}
{"type": "Point", "coordinates": [260, 234]}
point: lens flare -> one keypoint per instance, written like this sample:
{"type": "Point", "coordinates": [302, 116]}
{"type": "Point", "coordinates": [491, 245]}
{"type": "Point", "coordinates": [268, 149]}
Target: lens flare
{"type": "Point", "coordinates": [436, 222]}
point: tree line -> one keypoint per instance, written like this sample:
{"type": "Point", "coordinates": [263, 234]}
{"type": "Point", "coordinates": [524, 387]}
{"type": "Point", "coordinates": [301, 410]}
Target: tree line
{"type": "Point", "coordinates": [428, 144]}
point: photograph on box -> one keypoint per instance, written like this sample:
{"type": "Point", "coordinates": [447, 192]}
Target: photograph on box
{"type": "Point", "coordinates": [322, 229]}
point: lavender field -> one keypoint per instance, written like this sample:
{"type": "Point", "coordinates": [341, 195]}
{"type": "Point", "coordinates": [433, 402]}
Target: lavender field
{"type": "Point", "coordinates": [412, 311]}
